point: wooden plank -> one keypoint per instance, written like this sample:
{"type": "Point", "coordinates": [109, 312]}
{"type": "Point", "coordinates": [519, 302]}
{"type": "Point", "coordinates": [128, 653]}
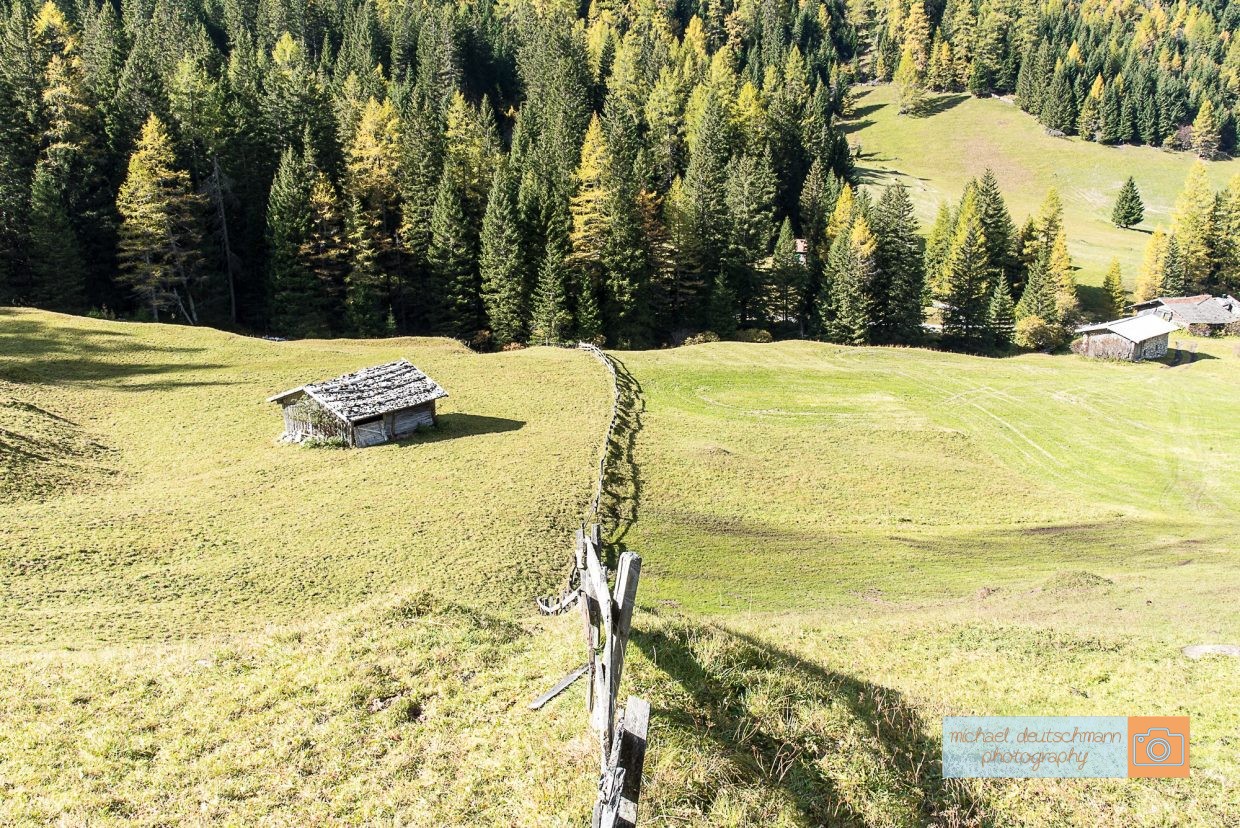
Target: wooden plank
{"type": "Point", "coordinates": [632, 758]}
{"type": "Point", "coordinates": [560, 686]}
{"type": "Point", "coordinates": [627, 577]}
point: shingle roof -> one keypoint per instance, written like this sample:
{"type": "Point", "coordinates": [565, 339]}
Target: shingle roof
{"type": "Point", "coordinates": [1134, 328]}
{"type": "Point", "coordinates": [371, 392]}
{"type": "Point", "coordinates": [1202, 309]}
{"type": "Point", "coordinates": [1208, 312]}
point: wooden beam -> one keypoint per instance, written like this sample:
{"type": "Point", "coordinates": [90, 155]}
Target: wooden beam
{"type": "Point", "coordinates": [560, 686]}
{"type": "Point", "coordinates": [632, 758]}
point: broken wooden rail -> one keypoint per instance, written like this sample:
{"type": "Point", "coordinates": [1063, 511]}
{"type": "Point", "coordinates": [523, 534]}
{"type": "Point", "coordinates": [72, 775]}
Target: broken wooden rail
{"type": "Point", "coordinates": [607, 617]}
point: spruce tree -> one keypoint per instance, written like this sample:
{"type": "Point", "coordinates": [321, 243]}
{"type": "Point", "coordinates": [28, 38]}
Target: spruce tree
{"type": "Point", "coordinates": [750, 200]}
{"type": "Point", "coordinates": [549, 319]}
{"type": "Point", "coordinates": [58, 273]}
{"type": "Point", "coordinates": [1001, 315]}
{"type": "Point", "coordinates": [853, 274]}
{"type": "Point", "coordinates": [788, 280]}
{"type": "Point", "coordinates": [1113, 288]}
{"type": "Point", "coordinates": [297, 301]}
{"type": "Point", "coordinates": [705, 191]}
{"type": "Point", "coordinates": [1129, 209]}
{"type": "Point", "coordinates": [501, 262]}
{"type": "Point", "coordinates": [452, 260]}
{"type": "Point", "coordinates": [365, 308]}
{"type": "Point", "coordinates": [1175, 272]}
{"type": "Point", "coordinates": [1038, 298]}
{"type": "Point", "coordinates": [964, 318]}
{"type": "Point", "coordinates": [901, 287]}
{"type": "Point", "coordinates": [997, 225]}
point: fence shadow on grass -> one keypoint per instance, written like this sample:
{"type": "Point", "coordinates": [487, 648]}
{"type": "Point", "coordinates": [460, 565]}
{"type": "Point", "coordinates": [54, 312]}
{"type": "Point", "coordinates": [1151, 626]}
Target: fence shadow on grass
{"type": "Point", "coordinates": [622, 481]}
{"type": "Point", "coordinates": [777, 748]}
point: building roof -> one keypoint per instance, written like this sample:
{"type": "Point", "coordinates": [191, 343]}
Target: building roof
{"type": "Point", "coordinates": [371, 392]}
{"type": "Point", "coordinates": [1201, 309]}
{"type": "Point", "coordinates": [1174, 300]}
{"type": "Point", "coordinates": [1208, 312]}
{"type": "Point", "coordinates": [1134, 328]}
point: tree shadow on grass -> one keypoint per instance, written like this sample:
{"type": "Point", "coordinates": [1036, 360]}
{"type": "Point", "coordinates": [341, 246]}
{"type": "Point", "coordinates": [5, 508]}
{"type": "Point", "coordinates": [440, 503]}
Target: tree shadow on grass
{"type": "Point", "coordinates": [937, 105]}
{"type": "Point", "coordinates": [36, 353]}
{"type": "Point", "coordinates": [787, 746]}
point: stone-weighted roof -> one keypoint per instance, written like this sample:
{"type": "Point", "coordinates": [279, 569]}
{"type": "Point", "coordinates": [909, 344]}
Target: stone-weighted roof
{"type": "Point", "coordinates": [371, 392]}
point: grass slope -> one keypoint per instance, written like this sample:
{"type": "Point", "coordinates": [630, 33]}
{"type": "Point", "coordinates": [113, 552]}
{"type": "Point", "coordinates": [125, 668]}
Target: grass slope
{"type": "Point", "coordinates": [190, 516]}
{"type": "Point", "coordinates": [841, 545]}
{"type": "Point", "coordinates": [937, 154]}
{"type": "Point", "coordinates": [952, 534]}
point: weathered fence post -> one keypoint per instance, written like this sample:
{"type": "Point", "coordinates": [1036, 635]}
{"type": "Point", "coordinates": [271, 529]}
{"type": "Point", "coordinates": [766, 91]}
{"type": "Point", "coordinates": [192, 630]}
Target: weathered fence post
{"type": "Point", "coordinates": [608, 620]}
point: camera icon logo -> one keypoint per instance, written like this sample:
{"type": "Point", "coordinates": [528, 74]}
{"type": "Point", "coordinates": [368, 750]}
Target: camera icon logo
{"type": "Point", "coordinates": [1158, 746]}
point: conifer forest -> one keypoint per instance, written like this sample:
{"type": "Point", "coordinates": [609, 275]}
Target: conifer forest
{"type": "Point", "coordinates": [630, 173]}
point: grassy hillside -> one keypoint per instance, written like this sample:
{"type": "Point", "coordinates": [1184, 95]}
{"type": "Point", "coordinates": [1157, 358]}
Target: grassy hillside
{"type": "Point", "coordinates": [1033, 535]}
{"type": "Point", "coordinates": [937, 154]}
{"type": "Point", "coordinates": [171, 507]}
{"type": "Point", "coordinates": [841, 545]}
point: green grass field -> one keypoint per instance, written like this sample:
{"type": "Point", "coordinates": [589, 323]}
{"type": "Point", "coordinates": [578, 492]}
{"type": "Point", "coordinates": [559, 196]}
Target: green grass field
{"type": "Point", "coordinates": [935, 155]}
{"type": "Point", "coordinates": [841, 545]}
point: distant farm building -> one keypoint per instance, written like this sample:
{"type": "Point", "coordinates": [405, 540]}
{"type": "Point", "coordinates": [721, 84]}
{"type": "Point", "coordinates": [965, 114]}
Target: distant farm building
{"type": "Point", "coordinates": [365, 408]}
{"type": "Point", "coordinates": [1202, 315]}
{"type": "Point", "coordinates": [1135, 338]}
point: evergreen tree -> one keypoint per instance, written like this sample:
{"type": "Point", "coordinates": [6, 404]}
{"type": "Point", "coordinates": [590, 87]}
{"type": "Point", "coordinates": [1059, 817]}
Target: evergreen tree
{"type": "Point", "coordinates": [502, 263]}
{"type": "Point", "coordinates": [58, 273]}
{"type": "Point", "coordinates": [1113, 288]}
{"type": "Point", "coordinates": [852, 288]}
{"type": "Point", "coordinates": [549, 321]}
{"type": "Point", "coordinates": [1129, 209]}
{"type": "Point", "coordinates": [997, 225]}
{"type": "Point", "coordinates": [898, 300]}
{"type": "Point", "coordinates": [965, 269]}
{"type": "Point", "coordinates": [1175, 270]}
{"type": "Point", "coordinates": [788, 280]}
{"type": "Point", "coordinates": [1001, 315]}
{"type": "Point", "coordinates": [298, 303]}
{"type": "Point", "coordinates": [750, 197]}
{"type": "Point", "coordinates": [160, 226]}
{"type": "Point", "coordinates": [452, 260]}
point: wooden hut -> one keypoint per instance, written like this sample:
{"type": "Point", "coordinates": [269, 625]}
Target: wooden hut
{"type": "Point", "coordinates": [365, 408]}
{"type": "Point", "coordinates": [1135, 338]}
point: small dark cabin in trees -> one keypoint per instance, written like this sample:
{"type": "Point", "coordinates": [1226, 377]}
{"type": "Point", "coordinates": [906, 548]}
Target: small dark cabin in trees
{"type": "Point", "coordinates": [365, 408]}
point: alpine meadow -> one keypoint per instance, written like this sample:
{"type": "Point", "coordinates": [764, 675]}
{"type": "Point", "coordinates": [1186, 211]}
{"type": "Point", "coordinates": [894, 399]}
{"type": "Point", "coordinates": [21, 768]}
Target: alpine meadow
{"type": "Point", "coordinates": [634, 413]}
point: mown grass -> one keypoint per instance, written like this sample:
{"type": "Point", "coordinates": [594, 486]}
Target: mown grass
{"type": "Point", "coordinates": [840, 546]}
{"type": "Point", "coordinates": [190, 517]}
{"type": "Point", "coordinates": [935, 155]}
{"type": "Point", "coordinates": [952, 534]}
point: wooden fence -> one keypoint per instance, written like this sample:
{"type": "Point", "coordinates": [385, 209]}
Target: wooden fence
{"type": "Point", "coordinates": [607, 616]}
